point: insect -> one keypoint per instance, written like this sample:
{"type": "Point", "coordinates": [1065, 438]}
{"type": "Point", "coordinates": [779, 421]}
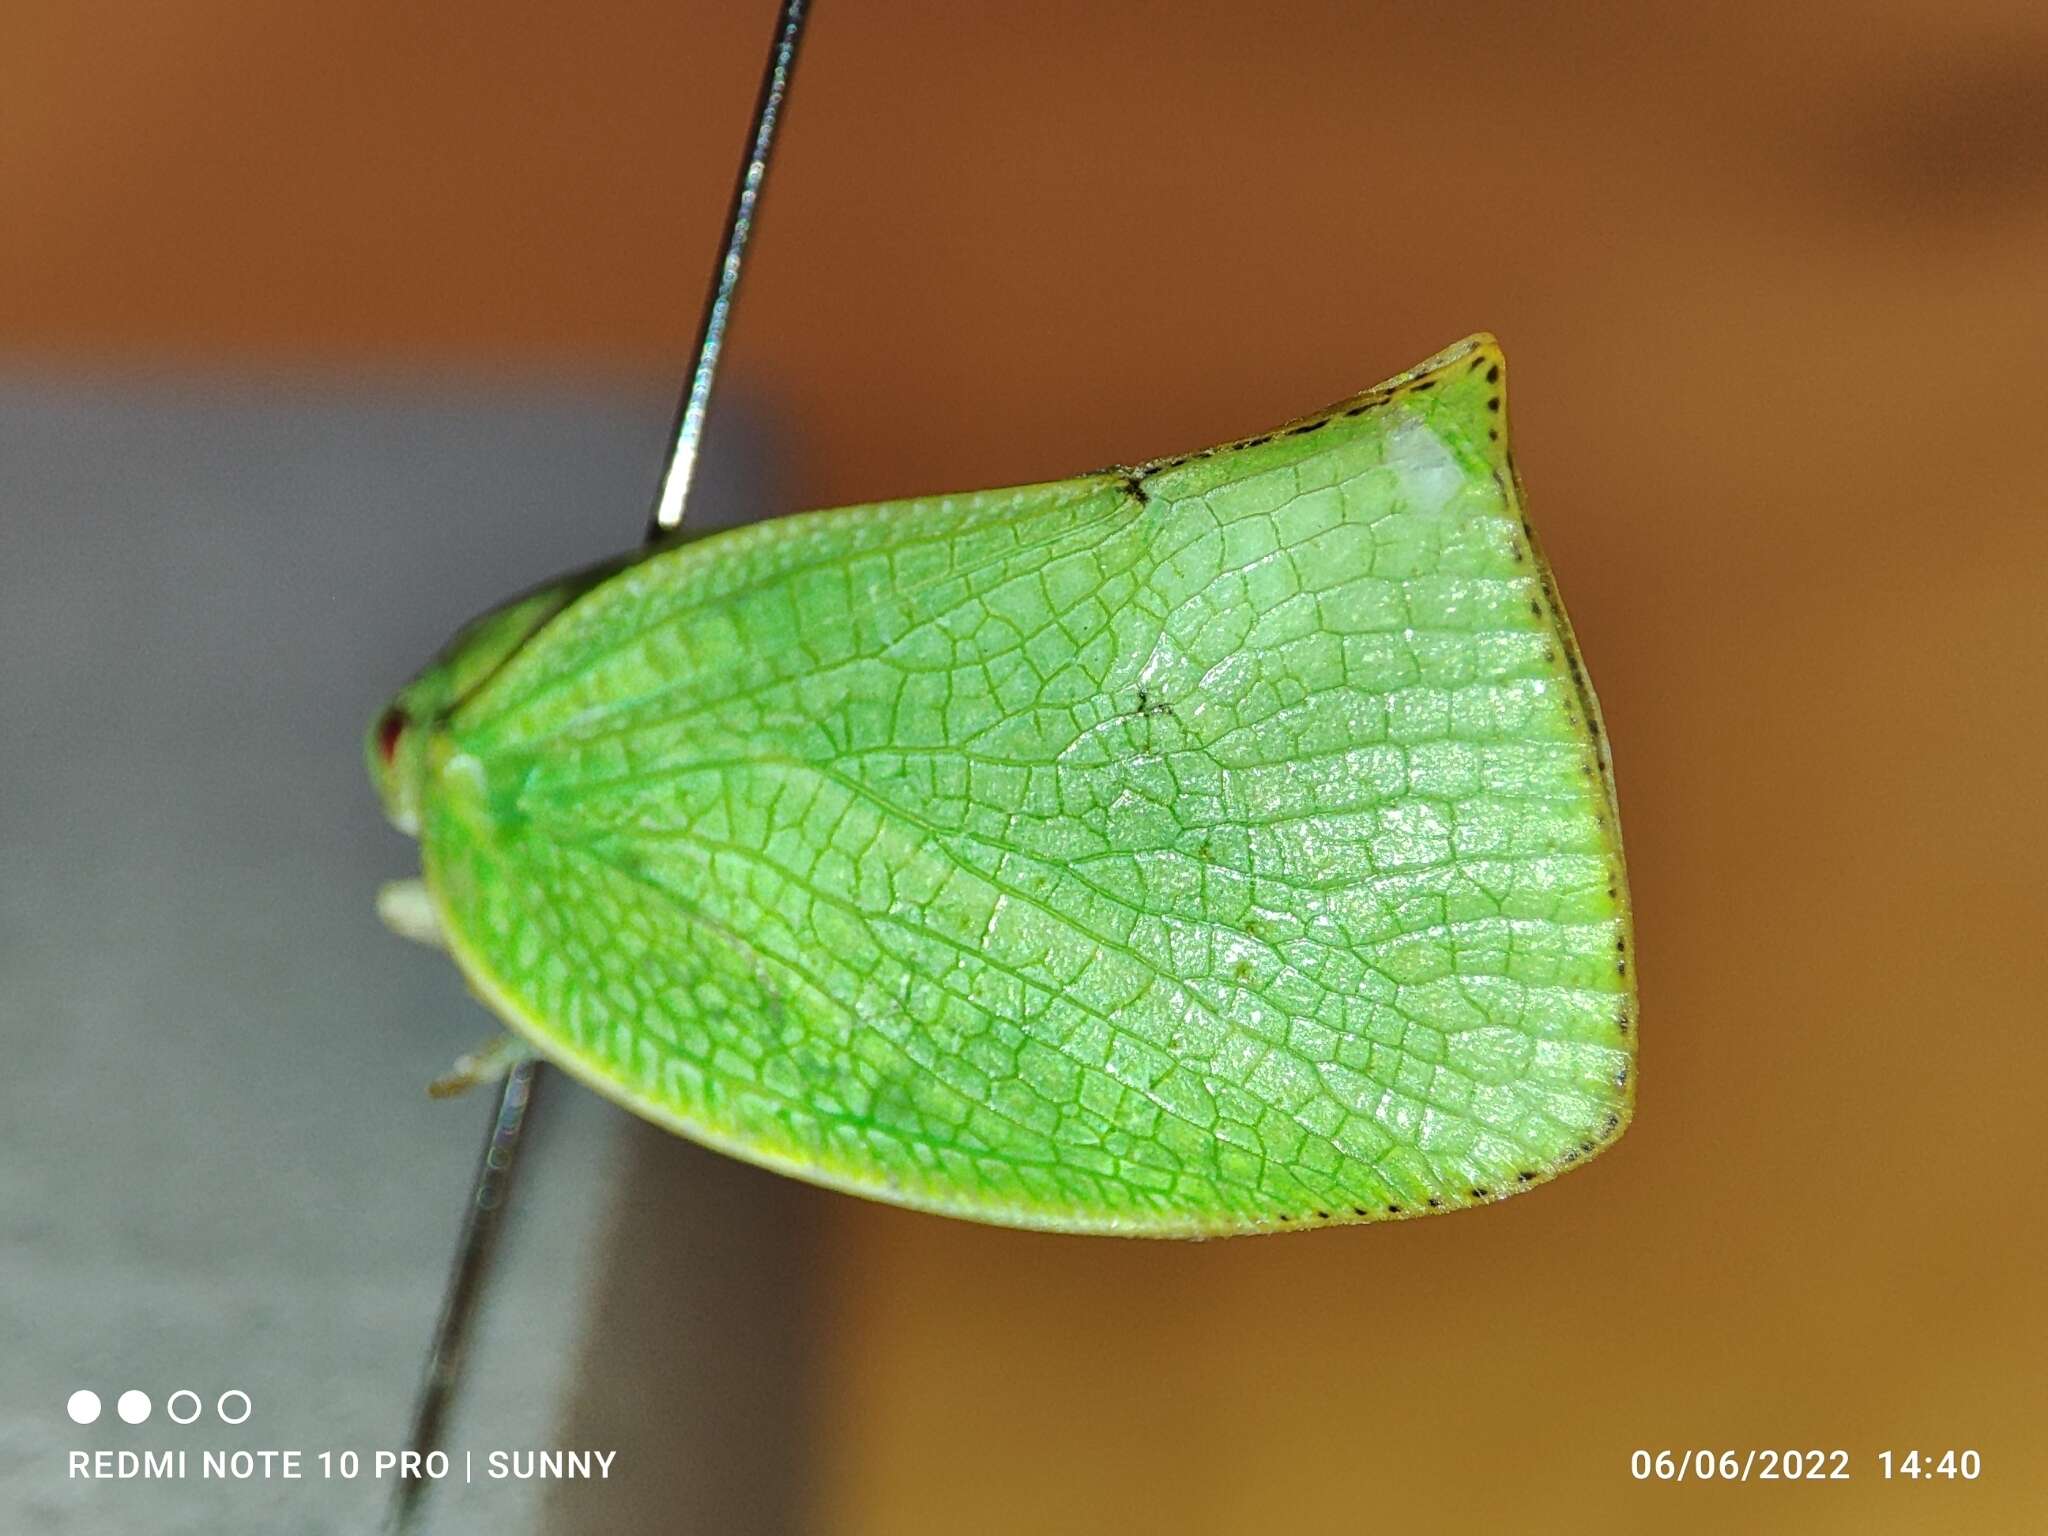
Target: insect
{"type": "Point", "coordinates": [1222, 844]}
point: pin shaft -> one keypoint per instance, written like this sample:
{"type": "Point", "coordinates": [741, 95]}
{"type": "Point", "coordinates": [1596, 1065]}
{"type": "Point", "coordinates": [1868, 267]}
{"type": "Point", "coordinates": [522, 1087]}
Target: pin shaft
{"type": "Point", "coordinates": [490, 1188]}
{"type": "Point", "coordinates": [688, 431]}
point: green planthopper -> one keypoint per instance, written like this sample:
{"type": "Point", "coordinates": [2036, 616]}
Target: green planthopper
{"type": "Point", "coordinates": [1223, 844]}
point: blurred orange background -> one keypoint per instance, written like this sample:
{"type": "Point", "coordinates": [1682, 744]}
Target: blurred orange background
{"type": "Point", "coordinates": [1771, 280]}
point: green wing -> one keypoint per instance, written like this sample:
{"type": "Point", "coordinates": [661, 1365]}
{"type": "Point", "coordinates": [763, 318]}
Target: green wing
{"type": "Point", "coordinates": [1206, 847]}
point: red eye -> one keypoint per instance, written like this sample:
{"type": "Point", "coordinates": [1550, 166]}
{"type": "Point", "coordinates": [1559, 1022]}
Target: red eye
{"type": "Point", "coordinates": [389, 729]}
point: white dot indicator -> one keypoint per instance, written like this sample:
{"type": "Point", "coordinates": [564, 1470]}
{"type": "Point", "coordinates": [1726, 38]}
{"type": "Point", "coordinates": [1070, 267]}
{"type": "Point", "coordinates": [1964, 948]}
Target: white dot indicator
{"type": "Point", "coordinates": [221, 1407]}
{"type": "Point", "coordinates": [83, 1406]}
{"type": "Point", "coordinates": [171, 1406]}
{"type": "Point", "coordinates": [133, 1406]}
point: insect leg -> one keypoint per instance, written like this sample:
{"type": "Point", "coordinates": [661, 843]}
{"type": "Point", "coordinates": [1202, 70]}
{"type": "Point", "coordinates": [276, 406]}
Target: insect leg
{"type": "Point", "coordinates": [405, 909]}
{"type": "Point", "coordinates": [486, 1064]}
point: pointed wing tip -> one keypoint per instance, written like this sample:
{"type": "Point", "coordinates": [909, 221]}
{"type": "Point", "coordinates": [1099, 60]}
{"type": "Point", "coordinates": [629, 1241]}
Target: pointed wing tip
{"type": "Point", "coordinates": [1477, 353]}
{"type": "Point", "coordinates": [1462, 351]}
{"type": "Point", "coordinates": [1477, 360]}
{"type": "Point", "coordinates": [1469, 384]}
{"type": "Point", "coordinates": [1467, 378]}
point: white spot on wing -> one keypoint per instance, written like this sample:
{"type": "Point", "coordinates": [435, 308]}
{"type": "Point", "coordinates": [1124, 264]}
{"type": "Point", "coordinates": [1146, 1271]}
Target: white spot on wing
{"type": "Point", "coordinates": [1428, 476]}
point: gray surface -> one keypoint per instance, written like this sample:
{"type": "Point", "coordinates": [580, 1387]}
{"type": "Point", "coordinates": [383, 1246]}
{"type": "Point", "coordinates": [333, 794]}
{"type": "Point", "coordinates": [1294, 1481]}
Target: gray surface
{"type": "Point", "coordinates": [217, 1164]}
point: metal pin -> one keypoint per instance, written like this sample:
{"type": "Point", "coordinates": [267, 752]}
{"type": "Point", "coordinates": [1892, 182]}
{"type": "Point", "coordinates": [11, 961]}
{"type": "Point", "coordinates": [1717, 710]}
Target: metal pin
{"type": "Point", "coordinates": [489, 1190]}
{"type": "Point", "coordinates": [491, 1187]}
{"type": "Point", "coordinates": [688, 431]}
